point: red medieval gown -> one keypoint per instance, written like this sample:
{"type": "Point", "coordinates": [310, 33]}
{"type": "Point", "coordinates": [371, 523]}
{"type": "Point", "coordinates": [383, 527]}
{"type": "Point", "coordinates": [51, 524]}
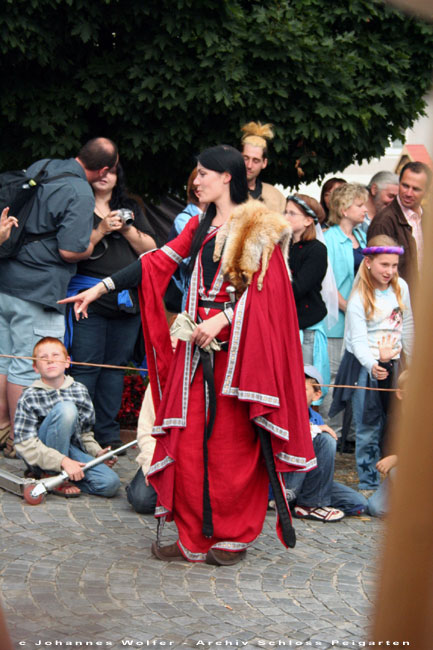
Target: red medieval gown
{"type": "Point", "coordinates": [259, 379]}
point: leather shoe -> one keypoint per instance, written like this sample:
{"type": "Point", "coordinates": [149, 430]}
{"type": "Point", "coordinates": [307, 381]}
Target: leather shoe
{"type": "Point", "coordinates": [218, 557]}
{"type": "Point", "coordinates": [170, 553]}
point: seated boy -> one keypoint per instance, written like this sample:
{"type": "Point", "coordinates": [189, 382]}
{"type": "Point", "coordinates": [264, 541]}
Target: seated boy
{"type": "Point", "coordinates": [53, 426]}
{"type": "Point", "coordinates": [316, 493]}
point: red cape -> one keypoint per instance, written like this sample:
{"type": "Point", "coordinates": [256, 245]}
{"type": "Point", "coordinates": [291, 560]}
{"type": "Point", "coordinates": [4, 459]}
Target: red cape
{"type": "Point", "coordinates": [263, 368]}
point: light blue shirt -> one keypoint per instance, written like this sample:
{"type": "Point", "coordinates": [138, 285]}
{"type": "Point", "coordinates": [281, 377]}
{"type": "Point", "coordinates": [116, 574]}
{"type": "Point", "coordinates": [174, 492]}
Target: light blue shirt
{"type": "Point", "coordinates": [183, 217]}
{"type": "Point", "coordinates": [340, 257]}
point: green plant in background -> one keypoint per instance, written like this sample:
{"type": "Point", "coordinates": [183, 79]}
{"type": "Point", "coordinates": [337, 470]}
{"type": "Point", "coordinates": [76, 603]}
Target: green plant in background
{"type": "Point", "coordinates": [165, 78]}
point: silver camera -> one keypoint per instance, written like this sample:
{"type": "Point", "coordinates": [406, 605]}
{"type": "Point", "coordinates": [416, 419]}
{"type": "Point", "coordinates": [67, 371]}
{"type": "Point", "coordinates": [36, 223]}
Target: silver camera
{"type": "Point", "coordinates": [127, 216]}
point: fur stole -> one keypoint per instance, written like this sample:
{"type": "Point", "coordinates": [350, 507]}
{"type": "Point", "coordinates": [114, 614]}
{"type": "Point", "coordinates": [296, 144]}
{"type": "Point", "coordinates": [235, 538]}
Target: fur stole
{"type": "Point", "coordinates": [247, 240]}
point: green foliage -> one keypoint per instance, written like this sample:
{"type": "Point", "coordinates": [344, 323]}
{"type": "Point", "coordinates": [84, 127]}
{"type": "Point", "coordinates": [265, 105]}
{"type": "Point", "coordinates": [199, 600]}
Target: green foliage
{"type": "Point", "coordinates": [166, 78]}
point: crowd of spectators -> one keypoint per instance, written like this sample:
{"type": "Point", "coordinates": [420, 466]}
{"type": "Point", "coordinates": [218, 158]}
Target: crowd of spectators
{"type": "Point", "coordinates": [353, 260]}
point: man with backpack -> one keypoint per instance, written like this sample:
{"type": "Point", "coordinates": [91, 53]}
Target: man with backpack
{"type": "Point", "coordinates": [56, 236]}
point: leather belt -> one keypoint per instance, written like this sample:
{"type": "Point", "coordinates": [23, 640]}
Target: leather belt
{"type": "Point", "coordinates": [211, 304]}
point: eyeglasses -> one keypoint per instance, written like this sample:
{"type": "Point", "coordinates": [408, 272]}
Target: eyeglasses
{"type": "Point", "coordinates": [290, 213]}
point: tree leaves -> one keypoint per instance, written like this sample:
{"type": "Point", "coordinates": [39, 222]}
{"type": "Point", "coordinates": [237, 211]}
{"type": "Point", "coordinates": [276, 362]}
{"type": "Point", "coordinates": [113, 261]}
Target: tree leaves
{"type": "Point", "coordinates": [165, 78]}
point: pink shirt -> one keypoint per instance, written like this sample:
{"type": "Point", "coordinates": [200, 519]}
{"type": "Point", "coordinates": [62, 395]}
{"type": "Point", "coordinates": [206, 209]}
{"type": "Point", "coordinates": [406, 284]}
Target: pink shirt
{"type": "Point", "coordinates": [414, 220]}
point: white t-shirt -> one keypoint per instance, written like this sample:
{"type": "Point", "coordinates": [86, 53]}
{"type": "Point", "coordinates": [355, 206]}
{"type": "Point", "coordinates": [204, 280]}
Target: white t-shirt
{"type": "Point", "coordinates": [362, 336]}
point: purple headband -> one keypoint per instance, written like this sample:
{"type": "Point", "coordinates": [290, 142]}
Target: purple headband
{"type": "Point", "coordinates": [376, 250]}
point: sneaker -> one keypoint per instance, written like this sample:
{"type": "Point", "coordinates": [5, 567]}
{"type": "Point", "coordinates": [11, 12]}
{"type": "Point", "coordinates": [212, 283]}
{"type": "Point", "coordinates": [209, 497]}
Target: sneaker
{"type": "Point", "coordinates": [271, 505]}
{"type": "Point", "coordinates": [325, 514]}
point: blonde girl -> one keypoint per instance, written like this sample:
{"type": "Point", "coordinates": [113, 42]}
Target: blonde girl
{"type": "Point", "coordinates": [379, 325]}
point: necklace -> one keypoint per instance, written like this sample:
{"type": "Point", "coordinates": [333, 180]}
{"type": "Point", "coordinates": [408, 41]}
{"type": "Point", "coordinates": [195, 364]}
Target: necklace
{"type": "Point", "coordinates": [101, 212]}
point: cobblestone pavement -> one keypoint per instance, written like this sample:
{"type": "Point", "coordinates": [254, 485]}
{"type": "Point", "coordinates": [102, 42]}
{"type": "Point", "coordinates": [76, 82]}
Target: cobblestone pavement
{"type": "Point", "coordinates": [80, 571]}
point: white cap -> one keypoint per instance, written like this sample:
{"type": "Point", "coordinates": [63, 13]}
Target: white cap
{"type": "Point", "coordinates": [311, 371]}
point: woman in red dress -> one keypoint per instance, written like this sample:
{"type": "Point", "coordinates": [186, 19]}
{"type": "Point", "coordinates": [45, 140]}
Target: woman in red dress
{"type": "Point", "coordinates": [212, 408]}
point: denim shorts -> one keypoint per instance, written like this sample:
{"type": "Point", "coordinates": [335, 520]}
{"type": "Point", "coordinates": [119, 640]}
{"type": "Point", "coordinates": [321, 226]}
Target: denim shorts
{"type": "Point", "coordinates": [22, 325]}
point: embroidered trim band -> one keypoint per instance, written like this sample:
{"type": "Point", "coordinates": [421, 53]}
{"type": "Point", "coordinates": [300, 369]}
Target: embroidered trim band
{"type": "Point", "coordinates": [272, 428]}
{"type": "Point", "coordinates": [231, 546]}
{"type": "Point", "coordinates": [192, 557]}
{"type": "Point", "coordinates": [160, 465]}
{"type": "Point", "coordinates": [298, 461]}
{"type": "Point", "coordinates": [108, 284]}
{"type": "Point", "coordinates": [172, 254]}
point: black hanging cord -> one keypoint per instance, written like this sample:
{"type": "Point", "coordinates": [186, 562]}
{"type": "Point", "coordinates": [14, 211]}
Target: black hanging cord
{"type": "Point", "coordinates": [289, 535]}
{"type": "Point", "coordinates": [208, 381]}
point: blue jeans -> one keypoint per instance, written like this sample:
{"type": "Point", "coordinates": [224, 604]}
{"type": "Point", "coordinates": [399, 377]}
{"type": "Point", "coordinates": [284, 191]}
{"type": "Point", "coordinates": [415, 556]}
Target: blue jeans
{"type": "Point", "coordinates": [347, 499]}
{"type": "Point", "coordinates": [142, 497]}
{"type": "Point", "coordinates": [377, 505]}
{"type": "Point", "coordinates": [314, 489]}
{"type": "Point", "coordinates": [110, 341]}
{"type": "Point", "coordinates": [57, 430]}
{"type": "Point", "coordinates": [367, 439]}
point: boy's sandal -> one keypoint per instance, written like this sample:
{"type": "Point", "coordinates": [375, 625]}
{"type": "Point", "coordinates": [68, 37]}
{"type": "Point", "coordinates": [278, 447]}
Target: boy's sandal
{"type": "Point", "coordinates": [9, 449]}
{"type": "Point", "coordinates": [325, 514]}
{"type": "Point", "coordinates": [63, 490]}
{"type": "Point", "coordinates": [4, 435]}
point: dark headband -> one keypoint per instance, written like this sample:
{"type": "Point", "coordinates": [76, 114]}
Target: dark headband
{"type": "Point", "coordinates": [306, 208]}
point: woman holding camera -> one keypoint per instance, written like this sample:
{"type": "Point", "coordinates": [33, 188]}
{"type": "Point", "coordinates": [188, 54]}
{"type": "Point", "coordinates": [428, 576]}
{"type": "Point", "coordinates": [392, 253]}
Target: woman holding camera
{"type": "Point", "coordinates": [109, 334]}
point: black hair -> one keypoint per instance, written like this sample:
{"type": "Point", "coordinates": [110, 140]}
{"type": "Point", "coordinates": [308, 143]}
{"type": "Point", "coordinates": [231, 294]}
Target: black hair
{"type": "Point", "coordinates": [98, 153]}
{"type": "Point", "coordinates": [417, 167]}
{"type": "Point", "coordinates": [119, 196]}
{"type": "Point", "coordinates": [221, 158]}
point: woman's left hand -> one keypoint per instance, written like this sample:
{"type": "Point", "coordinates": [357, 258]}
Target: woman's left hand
{"type": "Point", "coordinates": [208, 330]}
{"type": "Point", "coordinates": [111, 223]}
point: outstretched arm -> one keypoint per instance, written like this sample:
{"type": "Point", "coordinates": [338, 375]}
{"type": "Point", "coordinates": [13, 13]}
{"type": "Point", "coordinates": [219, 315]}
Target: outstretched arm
{"type": "Point", "coordinates": [82, 300]}
{"type": "Point", "coordinates": [126, 278]}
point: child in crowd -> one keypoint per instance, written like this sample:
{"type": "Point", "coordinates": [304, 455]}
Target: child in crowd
{"type": "Point", "coordinates": [378, 325]}
{"type": "Point", "coordinates": [378, 502]}
{"type": "Point", "coordinates": [316, 493]}
{"type": "Point", "coordinates": [140, 494]}
{"type": "Point", "coordinates": [53, 426]}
